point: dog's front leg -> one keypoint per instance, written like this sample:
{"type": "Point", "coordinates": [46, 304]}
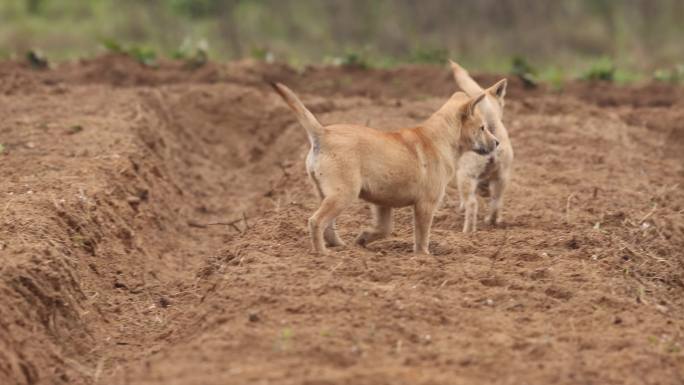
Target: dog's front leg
{"type": "Point", "coordinates": [470, 223]}
{"type": "Point", "coordinates": [383, 226]}
{"type": "Point", "coordinates": [496, 187]}
{"type": "Point", "coordinates": [423, 213]}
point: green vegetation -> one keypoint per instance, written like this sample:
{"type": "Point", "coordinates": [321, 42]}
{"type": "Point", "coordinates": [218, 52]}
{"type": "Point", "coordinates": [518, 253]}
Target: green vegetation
{"type": "Point", "coordinates": [430, 56]}
{"type": "Point", "coordinates": [144, 55]}
{"type": "Point", "coordinates": [603, 69]}
{"type": "Point", "coordinates": [524, 71]}
{"type": "Point", "coordinates": [673, 75]}
{"type": "Point", "coordinates": [75, 129]}
{"type": "Point", "coordinates": [353, 60]}
{"type": "Point", "coordinates": [606, 70]}
{"type": "Point", "coordinates": [195, 54]}
{"type": "Point", "coordinates": [37, 59]}
{"type": "Point", "coordinates": [596, 40]}
{"type": "Point", "coordinates": [554, 76]}
{"type": "Point", "coordinates": [284, 339]}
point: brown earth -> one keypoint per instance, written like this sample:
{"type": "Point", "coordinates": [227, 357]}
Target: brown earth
{"type": "Point", "coordinates": [110, 273]}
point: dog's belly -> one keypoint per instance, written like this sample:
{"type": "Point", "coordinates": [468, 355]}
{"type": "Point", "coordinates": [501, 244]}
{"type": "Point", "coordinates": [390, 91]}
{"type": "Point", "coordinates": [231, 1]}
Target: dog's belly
{"type": "Point", "coordinates": [387, 201]}
{"type": "Point", "coordinates": [388, 196]}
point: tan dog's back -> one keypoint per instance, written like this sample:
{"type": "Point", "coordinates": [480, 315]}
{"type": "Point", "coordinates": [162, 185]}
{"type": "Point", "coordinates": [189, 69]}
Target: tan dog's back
{"type": "Point", "coordinates": [374, 161]}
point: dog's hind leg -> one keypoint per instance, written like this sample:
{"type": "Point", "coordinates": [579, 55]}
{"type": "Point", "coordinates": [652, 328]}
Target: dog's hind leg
{"type": "Point", "coordinates": [331, 237]}
{"type": "Point", "coordinates": [468, 188]}
{"type": "Point", "coordinates": [330, 208]}
{"type": "Point", "coordinates": [329, 234]}
{"type": "Point", "coordinates": [383, 226]}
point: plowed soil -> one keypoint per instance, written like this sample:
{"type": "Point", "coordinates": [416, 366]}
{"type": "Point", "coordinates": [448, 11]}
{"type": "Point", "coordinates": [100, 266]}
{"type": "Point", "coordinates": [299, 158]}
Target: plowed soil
{"type": "Point", "coordinates": [153, 231]}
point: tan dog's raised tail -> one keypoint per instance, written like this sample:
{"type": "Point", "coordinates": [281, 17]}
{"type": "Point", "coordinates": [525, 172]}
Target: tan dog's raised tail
{"type": "Point", "coordinates": [406, 167]}
{"type": "Point", "coordinates": [484, 174]}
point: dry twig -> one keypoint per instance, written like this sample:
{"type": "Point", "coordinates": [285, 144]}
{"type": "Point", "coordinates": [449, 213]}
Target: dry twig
{"type": "Point", "coordinates": [232, 223]}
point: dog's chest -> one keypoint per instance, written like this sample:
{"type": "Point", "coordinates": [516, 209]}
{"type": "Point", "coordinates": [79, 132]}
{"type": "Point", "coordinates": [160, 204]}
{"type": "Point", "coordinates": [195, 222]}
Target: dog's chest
{"type": "Point", "coordinates": [477, 166]}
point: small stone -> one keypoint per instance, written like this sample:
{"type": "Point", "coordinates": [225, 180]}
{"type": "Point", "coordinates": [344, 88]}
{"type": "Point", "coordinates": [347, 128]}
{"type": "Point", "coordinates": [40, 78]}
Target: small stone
{"type": "Point", "coordinates": [75, 129]}
{"type": "Point", "coordinates": [573, 244]}
{"type": "Point", "coordinates": [133, 199]}
{"type": "Point", "coordinates": [661, 308]}
{"type": "Point", "coordinates": [253, 317]}
{"type": "Point", "coordinates": [164, 302]}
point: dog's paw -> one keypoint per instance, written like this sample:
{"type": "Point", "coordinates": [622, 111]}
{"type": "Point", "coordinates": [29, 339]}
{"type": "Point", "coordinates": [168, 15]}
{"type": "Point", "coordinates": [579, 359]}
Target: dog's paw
{"type": "Point", "coordinates": [368, 236]}
{"type": "Point", "coordinates": [364, 238]}
{"type": "Point", "coordinates": [424, 251]}
{"type": "Point", "coordinates": [331, 238]}
{"type": "Point", "coordinates": [335, 242]}
{"type": "Point", "coordinates": [494, 220]}
{"type": "Point", "coordinates": [319, 250]}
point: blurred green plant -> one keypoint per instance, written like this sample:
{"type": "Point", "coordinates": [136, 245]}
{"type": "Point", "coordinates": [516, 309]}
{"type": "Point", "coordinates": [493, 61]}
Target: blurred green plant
{"type": "Point", "coordinates": [75, 129]}
{"type": "Point", "coordinates": [197, 8]}
{"type": "Point", "coordinates": [601, 70]}
{"type": "Point", "coordinates": [352, 59]}
{"type": "Point", "coordinates": [144, 55]}
{"type": "Point", "coordinates": [262, 54]}
{"type": "Point", "coordinates": [672, 75]}
{"type": "Point", "coordinates": [34, 6]}
{"type": "Point", "coordinates": [521, 68]}
{"type": "Point", "coordinates": [195, 54]}
{"type": "Point", "coordinates": [284, 339]}
{"type": "Point", "coordinates": [554, 76]}
{"type": "Point", "coordinates": [639, 32]}
{"type": "Point", "coordinates": [37, 59]}
{"type": "Point", "coordinates": [430, 56]}
{"type": "Point", "coordinates": [2, 148]}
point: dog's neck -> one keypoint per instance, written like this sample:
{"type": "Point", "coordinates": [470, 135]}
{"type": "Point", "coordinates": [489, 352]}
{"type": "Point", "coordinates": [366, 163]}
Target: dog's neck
{"type": "Point", "coordinates": [444, 126]}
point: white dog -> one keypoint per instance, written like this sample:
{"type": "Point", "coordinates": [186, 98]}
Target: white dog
{"type": "Point", "coordinates": [484, 174]}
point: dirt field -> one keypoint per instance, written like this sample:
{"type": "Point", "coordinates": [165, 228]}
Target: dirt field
{"type": "Point", "coordinates": [109, 273]}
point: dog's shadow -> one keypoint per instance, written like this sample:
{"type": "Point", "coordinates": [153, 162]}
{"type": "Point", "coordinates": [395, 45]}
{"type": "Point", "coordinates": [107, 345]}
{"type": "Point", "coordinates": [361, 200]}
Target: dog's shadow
{"type": "Point", "coordinates": [486, 227]}
{"type": "Point", "coordinates": [403, 247]}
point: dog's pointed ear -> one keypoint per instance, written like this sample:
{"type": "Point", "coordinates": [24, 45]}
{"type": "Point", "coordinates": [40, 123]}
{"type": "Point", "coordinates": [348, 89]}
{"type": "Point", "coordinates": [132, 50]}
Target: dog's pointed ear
{"type": "Point", "coordinates": [499, 90]}
{"type": "Point", "coordinates": [464, 81]}
{"type": "Point", "coordinates": [468, 109]}
{"type": "Point", "coordinates": [455, 66]}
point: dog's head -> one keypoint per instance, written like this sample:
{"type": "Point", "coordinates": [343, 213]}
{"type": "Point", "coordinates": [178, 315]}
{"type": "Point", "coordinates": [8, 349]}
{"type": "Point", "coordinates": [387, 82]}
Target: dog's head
{"type": "Point", "coordinates": [475, 130]}
{"type": "Point", "coordinates": [492, 106]}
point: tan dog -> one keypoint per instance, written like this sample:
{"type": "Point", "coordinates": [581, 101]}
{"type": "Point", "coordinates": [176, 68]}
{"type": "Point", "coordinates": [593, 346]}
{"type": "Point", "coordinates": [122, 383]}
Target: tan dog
{"type": "Point", "coordinates": [407, 167]}
{"type": "Point", "coordinates": [486, 174]}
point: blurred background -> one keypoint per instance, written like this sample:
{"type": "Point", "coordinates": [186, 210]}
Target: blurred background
{"type": "Point", "coordinates": [634, 37]}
